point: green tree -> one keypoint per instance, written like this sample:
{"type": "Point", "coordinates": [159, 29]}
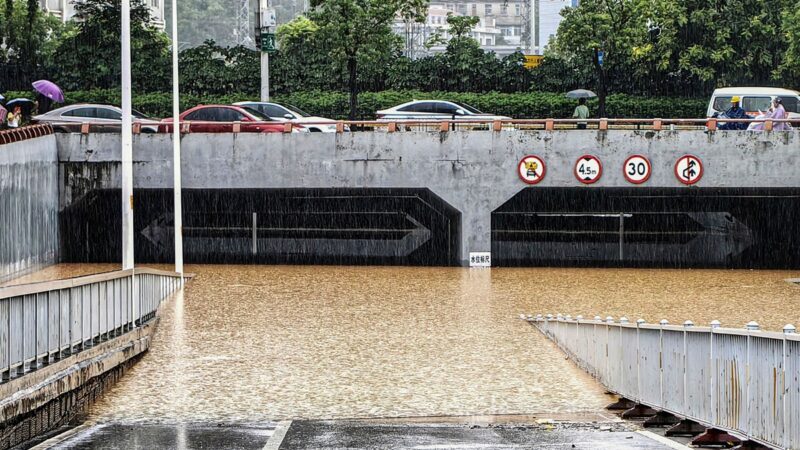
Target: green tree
{"type": "Point", "coordinates": [30, 37]}
{"type": "Point", "coordinates": [89, 55]}
{"type": "Point", "coordinates": [359, 31]}
{"type": "Point", "coordinates": [608, 27]}
{"type": "Point", "coordinates": [790, 66]}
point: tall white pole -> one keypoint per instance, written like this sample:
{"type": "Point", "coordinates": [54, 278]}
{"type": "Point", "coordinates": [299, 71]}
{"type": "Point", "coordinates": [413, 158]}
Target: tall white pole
{"type": "Point", "coordinates": [127, 140]}
{"type": "Point", "coordinates": [176, 145]}
{"type": "Point", "coordinates": [264, 76]}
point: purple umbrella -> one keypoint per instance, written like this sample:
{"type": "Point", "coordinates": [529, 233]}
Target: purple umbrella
{"type": "Point", "coordinates": [49, 90]}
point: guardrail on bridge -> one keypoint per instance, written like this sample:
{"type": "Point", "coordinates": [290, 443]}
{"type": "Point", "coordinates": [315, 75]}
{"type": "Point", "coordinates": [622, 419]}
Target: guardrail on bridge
{"type": "Point", "coordinates": [742, 381]}
{"type": "Point", "coordinates": [44, 322]}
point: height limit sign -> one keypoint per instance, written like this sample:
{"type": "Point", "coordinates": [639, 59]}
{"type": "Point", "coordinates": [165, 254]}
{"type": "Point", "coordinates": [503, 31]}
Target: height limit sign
{"type": "Point", "coordinates": [588, 169]}
{"type": "Point", "coordinates": [689, 169]}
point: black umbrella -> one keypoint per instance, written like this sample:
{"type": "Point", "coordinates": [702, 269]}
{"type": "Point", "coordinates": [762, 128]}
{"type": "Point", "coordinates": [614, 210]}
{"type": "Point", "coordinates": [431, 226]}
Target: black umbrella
{"type": "Point", "coordinates": [24, 103]}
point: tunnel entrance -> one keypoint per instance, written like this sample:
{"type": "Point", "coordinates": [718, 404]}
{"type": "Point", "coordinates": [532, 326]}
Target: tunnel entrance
{"type": "Point", "coordinates": [651, 227]}
{"type": "Point", "coordinates": [292, 226]}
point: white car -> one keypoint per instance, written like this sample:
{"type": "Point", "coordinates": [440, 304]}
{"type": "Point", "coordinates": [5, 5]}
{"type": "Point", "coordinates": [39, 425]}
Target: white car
{"type": "Point", "coordinates": [293, 114]}
{"type": "Point", "coordinates": [434, 110]}
{"type": "Point", "coordinates": [754, 100]}
{"type": "Point", "coordinates": [95, 114]}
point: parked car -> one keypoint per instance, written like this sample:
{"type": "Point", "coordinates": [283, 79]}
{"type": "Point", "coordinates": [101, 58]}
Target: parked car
{"type": "Point", "coordinates": [62, 118]}
{"type": "Point", "coordinates": [434, 110]}
{"type": "Point", "coordinates": [754, 100]}
{"type": "Point", "coordinates": [218, 119]}
{"type": "Point", "coordinates": [293, 114]}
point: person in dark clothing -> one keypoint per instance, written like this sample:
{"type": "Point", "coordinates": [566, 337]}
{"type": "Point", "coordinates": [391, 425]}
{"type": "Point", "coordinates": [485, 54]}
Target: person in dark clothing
{"type": "Point", "coordinates": [44, 104]}
{"type": "Point", "coordinates": [734, 112]}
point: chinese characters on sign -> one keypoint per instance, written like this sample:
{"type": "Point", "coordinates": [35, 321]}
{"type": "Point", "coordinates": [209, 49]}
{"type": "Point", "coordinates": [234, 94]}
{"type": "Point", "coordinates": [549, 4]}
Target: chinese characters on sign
{"type": "Point", "coordinates": [480, 259]}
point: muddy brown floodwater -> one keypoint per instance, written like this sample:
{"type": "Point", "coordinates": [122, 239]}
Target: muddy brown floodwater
{"type": "Point", "coordinates": [265, 343]}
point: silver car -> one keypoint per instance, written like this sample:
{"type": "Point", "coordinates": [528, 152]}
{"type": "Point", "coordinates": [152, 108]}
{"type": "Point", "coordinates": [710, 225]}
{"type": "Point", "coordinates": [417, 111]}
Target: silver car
{"type": "Point", "coordinates": [293, 114]}
{"type": "Point", "coordinates": [420, 110]}
{"type": "Point", "coordinates": [63, 117]}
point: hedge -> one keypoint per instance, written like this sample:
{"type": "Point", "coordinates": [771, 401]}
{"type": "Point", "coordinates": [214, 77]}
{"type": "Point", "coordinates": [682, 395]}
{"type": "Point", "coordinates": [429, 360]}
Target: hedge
{"type": "Point", "coordinates": [335, 104]}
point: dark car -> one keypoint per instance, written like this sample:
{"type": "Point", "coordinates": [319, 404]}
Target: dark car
{"type": "Point", "coordinates": [220, 118]}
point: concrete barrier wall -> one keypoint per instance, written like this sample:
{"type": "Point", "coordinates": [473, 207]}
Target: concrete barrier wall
{"type": "Point", "coordinates": [28, 205]}
{"type": "Point", "coordinates": [474, 171]}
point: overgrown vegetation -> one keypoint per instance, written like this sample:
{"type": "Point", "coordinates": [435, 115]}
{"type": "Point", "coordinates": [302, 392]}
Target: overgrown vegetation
{"type": "Point", "coordinates": [651, 49]}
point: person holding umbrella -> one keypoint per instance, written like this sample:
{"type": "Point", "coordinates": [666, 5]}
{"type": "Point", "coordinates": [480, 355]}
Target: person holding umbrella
{"type": "Point", "coordinates": [581, 111]}
{"type": "Point", "coordinates": [47, 93]}
{"type": "Point", "coordinates": [15, 117]}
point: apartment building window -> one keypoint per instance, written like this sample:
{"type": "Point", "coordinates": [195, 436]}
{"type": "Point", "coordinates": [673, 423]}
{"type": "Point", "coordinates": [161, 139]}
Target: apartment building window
{"type": "Point", "coordinates": [155, 3]}
{"type": "Point", "coordinates": [504, 9]}
{"type": "Point", "coordinates": [517, 9]}
{"type": "Point", "coordinates": [462, 9]}
{"type": "Point", "coordinates": [487, 9]}
{"type": "Point", "coordinates": [474, 9]}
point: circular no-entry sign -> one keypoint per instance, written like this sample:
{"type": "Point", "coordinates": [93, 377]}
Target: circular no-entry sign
{"type": "Point", "coordinates": [689, 169]}
{"type": "Point", "coordinates": [588, 169]}
{"type": "Point", "coordinates": [636, 169]}
{"type": "Point", "coordinates": [531, 169]}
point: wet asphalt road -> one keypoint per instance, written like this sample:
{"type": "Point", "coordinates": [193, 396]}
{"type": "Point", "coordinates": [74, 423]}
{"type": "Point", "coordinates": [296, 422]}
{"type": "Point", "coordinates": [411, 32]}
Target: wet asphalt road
{"type": "Point", "coordinates": [356, 435]}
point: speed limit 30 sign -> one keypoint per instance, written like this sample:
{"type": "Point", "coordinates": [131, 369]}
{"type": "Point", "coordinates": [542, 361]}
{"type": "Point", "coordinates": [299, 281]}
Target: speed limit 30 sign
{"type": "Point", "coordinates": [588, 169]}
{"type": "Point", "coordinates": [637, 169]}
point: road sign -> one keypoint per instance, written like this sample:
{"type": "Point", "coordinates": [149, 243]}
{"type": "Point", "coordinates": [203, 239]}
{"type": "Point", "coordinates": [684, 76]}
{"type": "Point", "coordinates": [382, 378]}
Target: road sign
{"type": "Point", "coordinates": [531, 169]}
{"type": "Point", "coordinates": [689, 169]}
{"type": "Point", "coordinates": [532, 61]}
{"type": "Point", "coordinates": [268, 42]}
{"type": "Point", "coordinates": [588, 169]}
{"type": "Point", "coordinates": [637, 169]}
{"type": "Point", "coordinates": [480, 259]}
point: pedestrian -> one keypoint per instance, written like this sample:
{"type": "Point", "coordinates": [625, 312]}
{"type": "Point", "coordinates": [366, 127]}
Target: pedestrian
{"type": "Point", "coordinates": [734, 112]}
{"type": "Point", "coordinates": [581, 112]}
{"type": "Point", "coordinates": [777, 111]}
{"type": "Point", "coordinates": [15, 117]}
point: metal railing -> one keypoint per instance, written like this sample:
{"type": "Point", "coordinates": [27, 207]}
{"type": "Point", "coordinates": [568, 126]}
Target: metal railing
{"type": "Point", "coordinates": [744, 381]}
{"type": "Point", "coordinates": [44, 322]}
{"type": "Point", "coordinates": [27, 132]}
{"type": "Point", "coordinates": [656, 124]}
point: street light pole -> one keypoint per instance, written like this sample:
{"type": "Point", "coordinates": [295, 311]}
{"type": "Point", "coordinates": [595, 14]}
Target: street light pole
{"type": "Point", "coordinates": [127, 140]}
{"type": "Point", "coordinates": [266, 20]}
{"type": "Point", "coordinates": [176, 146]}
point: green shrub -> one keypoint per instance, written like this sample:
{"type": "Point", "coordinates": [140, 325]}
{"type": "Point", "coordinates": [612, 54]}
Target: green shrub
{"type": "Point", "coordinates": [537, 105]}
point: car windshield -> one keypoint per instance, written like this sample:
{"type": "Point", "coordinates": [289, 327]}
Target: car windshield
{"type": "Point", "coordinates": [256, 113]}
{"type": "Point", "coordinates": [468, 108]}
{"type": "Point", "coordinates": [298, 111]}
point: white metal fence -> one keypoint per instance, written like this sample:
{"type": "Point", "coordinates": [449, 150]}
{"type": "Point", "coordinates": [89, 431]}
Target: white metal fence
{"type": "Point", "coordinates": [744, 381]}
{"type": "Point", "coordinates": [43, 322]}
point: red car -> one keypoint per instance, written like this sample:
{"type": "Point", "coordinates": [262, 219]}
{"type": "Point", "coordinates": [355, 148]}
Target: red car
{"type": "Point", "coordinates": [219, 118]}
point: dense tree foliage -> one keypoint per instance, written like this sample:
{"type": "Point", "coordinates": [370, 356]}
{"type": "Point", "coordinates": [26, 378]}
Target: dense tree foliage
{"type": "Point", "coordinates": [30, 38]}
{"type": "Point", "coordinates": [89, 54]}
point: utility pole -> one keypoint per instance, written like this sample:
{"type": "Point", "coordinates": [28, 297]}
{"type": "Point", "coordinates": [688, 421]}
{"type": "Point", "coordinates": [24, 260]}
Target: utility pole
{"type": "Point", "coordinates": [176, 147]}
{"type": "Point", "coordinates": [266, 25]}
{"type": "Point", "coordinates": [127, 139]}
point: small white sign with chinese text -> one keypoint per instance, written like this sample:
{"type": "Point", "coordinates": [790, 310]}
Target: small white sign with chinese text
{"type": "Point", "coordinates": [480, 259]}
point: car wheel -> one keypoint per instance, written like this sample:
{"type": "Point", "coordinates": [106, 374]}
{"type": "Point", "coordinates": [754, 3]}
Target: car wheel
{"type": "Point", "coordinates": [315, 130]}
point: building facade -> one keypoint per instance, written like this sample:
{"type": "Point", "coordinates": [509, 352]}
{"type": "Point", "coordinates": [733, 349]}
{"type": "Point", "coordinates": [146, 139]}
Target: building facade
{"type": "Point", "coordinates": [505, 26]}
{"type": "Point", "coordinates": [65, 10]}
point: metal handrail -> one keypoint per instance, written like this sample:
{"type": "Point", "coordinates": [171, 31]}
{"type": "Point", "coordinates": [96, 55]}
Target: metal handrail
{"type": "Point", "coordinates": [719, 377]}
{"type": "Point", "coordinates": [656, 124]}
{"type": "Point", "coordinates": [43, 322]}
{"type": "Point", "coordinates": [12, 135]}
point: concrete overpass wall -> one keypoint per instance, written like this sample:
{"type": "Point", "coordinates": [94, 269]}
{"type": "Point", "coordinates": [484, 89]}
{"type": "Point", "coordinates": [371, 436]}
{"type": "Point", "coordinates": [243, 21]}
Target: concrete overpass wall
{"type": "Point", "coordinates": [475, 171]}
{"type": "Point", "coordinates": [28, 205]}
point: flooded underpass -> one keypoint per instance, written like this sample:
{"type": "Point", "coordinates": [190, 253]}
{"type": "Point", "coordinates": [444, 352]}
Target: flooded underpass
{"type": "Point", "coordinates": [249, 344]}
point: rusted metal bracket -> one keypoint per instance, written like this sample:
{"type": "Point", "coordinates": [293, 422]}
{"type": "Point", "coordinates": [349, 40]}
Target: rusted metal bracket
{"type": "Point", "coordinates": [622, 404]}
{"type": "Point", "coordinates": [662, 419]}
{"type": "Point", "coordinates": [716, 438]}
{"type": "Point", "coordinates": [686, 427]}
{"type": "Point", "coordinates": [639, 411]}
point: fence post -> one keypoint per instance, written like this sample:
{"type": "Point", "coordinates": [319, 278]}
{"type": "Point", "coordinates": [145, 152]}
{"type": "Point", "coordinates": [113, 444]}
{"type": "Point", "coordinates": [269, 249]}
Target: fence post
{"type": "Point", "coordinates": [639, 323]}
{"type": "Point", "coordinates": [687, 324]}
{"type": "Point", "coordinates": [715, 324]}
{"type": "Point", "coordinates": [787, 329]}
{"type": "Point", "coordinates": [662, 323]}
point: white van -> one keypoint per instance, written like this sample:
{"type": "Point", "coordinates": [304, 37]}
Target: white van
{"type": "Point", "coordinates": [754, 99]}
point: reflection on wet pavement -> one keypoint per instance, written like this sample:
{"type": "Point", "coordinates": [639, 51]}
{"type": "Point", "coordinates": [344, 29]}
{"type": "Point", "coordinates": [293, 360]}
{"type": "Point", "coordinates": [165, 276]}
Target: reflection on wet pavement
{"type": "Point", "coordinates": [264, 343]}
{"type": "Point", "coordinates": [256, 343]}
